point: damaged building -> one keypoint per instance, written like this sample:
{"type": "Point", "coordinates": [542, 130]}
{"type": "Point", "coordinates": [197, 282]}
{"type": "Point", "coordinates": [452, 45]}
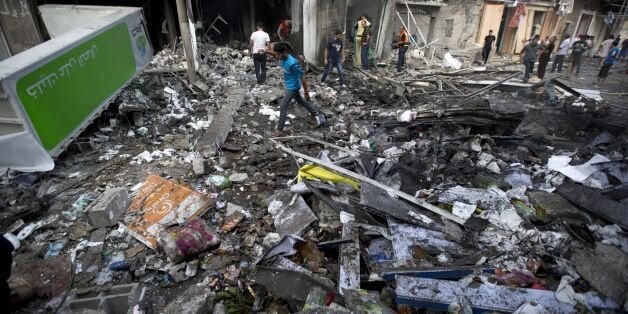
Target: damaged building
{"type": "Point", "coordinates": [143, 169]}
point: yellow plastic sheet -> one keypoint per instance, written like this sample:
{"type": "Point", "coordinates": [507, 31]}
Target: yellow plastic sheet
{"type": "Point", "coordinates": [310, 172]}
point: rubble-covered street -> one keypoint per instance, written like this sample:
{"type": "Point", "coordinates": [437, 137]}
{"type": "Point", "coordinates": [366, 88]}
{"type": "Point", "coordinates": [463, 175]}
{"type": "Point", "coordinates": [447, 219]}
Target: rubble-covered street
{"type": "Point", "coordinates": [441, 188]}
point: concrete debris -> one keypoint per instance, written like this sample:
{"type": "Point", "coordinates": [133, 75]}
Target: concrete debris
{"type": "Point", "coordinates": [238, 177]}
{"type": "Point", "coordinates": [195, 300]}
{"type": "Point", "coordinates": [605, 269]}
{"type": "Point", "coordinates": [200, 166]}
{"type": "Point", "coordinates": [290, 213]}
{"type": "Point", "coordinates": [447, 186]}
{"type": "Point", "coordinates": [107, 209]}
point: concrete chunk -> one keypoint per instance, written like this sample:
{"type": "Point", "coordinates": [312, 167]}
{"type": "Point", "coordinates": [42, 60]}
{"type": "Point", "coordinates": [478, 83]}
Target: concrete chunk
{"type": "Point", "coordinates": [200, 166]}
{"type": "Point", "coordinates": [290, 213]}
{"type": "Point", "coordinates": [218, 131]}
{"type": "Point", "coordinates": [605, 269]}
{"type": "Point", "coordinates": [195, 300]}
{"type": "Point", "coordinates": [108, 207]}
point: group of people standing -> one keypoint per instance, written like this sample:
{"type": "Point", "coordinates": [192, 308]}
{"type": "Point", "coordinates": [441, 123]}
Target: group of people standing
{"type": "Point", "coordinates": [260, 48]}
{"type": "Point", "coordinates": [576, 50]}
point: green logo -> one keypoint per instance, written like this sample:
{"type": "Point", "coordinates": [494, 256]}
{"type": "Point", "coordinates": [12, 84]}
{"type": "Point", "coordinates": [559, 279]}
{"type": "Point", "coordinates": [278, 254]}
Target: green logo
{"type": "Point", "coordinates": [141, 43]}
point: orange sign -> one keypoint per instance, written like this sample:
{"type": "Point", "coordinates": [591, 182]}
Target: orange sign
{"type": "Point", "coordinates": [160, 204]}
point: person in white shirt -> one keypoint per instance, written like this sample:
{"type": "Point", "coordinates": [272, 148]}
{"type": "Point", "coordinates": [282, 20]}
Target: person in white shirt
{"type": "Point", "coordinates": [605, 47]}
{"type": "Point", "coordinates": [258, 45]}
{"type": "Point", "coordinates": [561, 53]}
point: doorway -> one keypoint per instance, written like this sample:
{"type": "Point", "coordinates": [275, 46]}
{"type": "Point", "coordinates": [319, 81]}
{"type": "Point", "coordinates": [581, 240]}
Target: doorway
{"type": "Point", "coordinates": [584, 24]}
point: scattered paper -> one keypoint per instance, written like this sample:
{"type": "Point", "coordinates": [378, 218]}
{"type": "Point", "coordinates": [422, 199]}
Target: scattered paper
{"type": "Point", "coordinates": [463, 210]}
{"type": "Point", "coordinates": [576, 173]}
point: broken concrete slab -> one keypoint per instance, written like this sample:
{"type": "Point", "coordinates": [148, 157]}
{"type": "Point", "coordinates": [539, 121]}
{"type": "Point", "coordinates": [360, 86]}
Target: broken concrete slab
{"type": "Point", "coordinates": [378, 199]}
{"type": "Point", "coordinates": [550, 206]}
{"type": "Point", "coordinates": [160, 203]}
{"type": "Point", "coordinates": [439, 294]}
{"type": "Point", "coordinates": [194, 300]}
{"type": "Point", "coordinates": [362, 301]}
{"type": "Point", "coordinates": [284, 263]}
{"type": "Point", "coordinates": [108, 207]}
{"type": "Point", "coordinates": [217, 133]}
{"type": "Point", "coordinates": [405, 236]}
{"type": "Point", "coordinates": [290, 213]}
{"type": "Point", "coordinates": [595, 203]}
{"type": "Point", "coordinates": [604, 268]}
{"type": "Point", "coordinates": [290, 285]}
{"type": "Point", "coordinates": [349, 275]}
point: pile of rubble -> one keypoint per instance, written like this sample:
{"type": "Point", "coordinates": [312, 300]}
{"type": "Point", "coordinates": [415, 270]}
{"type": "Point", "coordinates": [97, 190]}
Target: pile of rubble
{"type": "Point", "coordinates": [418, 193]}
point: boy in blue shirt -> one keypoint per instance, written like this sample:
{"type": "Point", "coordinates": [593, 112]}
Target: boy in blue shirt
{"type": "Point", "coordinates": [334, 56]}
{"type": "Point", "coordinates": [293, 76]}
{"type": "Point", "coordinates": [611, 58]}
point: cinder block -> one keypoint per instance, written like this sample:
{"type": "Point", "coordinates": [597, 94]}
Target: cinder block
{"type": "Point", "coordinates": [117, 300]}
{"type": "Point", "coordinates": [108, 207]}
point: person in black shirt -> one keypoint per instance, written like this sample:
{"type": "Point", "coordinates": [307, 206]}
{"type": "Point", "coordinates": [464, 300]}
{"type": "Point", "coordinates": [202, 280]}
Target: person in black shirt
{"type": "Point", "coordinates": [7, 246]}
{"type": "Point", "coordinates": [334, 56]}
{"type": "Point", "coordinates": [544, 57]}
{"type": "Point", "coordinates": [488, 45]}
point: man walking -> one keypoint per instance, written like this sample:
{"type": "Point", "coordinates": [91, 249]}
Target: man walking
{"type": "Point", "coordinates": [402, 45]}
{"type": "Point", "coordinates": [334, 56]}
{"type": "Point", "coordinates": [488, 45]}
{"type": "Point", "coordinates": [293, 77]}
{"type": "Point", "coordinates": [528, 57]}
{"type": "Point", "coordinates": [544, 57]}
{"type": "Point", "coordinates": [258, 46]}
{"type": "Point", "coordinates": [610, 59]}
{"type": "Point", "coordinates": [561, 53]}
{"type": "Point", "coordinates": [578, 48]}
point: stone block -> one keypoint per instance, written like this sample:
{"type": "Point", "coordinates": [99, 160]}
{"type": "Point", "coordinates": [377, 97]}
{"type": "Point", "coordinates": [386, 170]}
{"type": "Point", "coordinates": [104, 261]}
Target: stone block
{"type": "Point", "coordinates": [108, 207]}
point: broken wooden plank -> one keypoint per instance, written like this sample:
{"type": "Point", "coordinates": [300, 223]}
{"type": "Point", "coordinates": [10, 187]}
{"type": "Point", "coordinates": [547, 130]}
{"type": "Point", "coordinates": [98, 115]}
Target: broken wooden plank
{"type": "Point", "coordinates": [595, 203]}
{"type": "Point", "coordinates": [489, 87]}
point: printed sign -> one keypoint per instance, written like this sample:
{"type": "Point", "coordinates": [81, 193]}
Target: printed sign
{"type": "Point", "coordinates": [160, 204]}
{"type": "Point", "coordinates": [60, 94]}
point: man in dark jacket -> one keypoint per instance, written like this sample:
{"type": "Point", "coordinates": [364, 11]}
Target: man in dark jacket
{"type": "Point", "coordinates": [7, 246]}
